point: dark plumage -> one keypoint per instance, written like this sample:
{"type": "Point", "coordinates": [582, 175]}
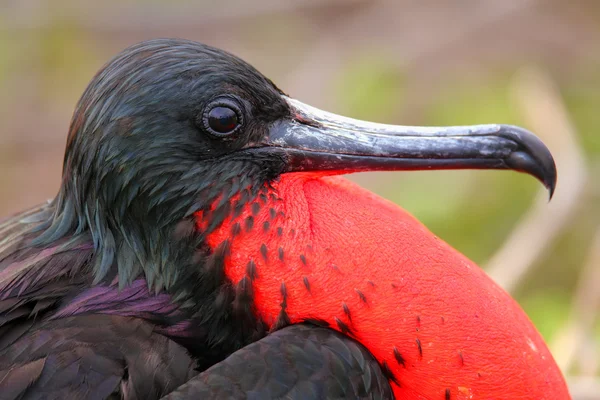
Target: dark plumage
{"type": "Point", "coordinates": [92, 357]}
{"type": "Point", "coordinates": [293, 363]}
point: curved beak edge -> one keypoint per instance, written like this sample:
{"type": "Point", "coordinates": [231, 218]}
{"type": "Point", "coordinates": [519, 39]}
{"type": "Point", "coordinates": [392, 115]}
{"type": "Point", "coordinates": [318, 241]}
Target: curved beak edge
{"type": "Point", "coordinates": [315, 140]}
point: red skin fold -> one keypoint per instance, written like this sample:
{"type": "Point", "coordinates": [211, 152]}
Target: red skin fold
{"type": "Point", "coordinates": [355, 260]}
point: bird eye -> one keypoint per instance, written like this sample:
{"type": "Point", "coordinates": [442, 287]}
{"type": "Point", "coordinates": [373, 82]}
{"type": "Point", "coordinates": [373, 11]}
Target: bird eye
{"type": "Point", "coordinates": [222, 118]}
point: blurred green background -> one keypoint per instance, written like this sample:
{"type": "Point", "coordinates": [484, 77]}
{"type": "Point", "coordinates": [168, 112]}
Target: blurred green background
{"type": "Point", "coordinates": [431, 62]}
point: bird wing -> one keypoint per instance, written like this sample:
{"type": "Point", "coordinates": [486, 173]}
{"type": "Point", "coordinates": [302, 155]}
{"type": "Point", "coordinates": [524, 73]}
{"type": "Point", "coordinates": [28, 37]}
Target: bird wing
{"type": "Point", "coordinates": [297, 362]}
{"type": "Point", "coordinates": [32, 280]}
{"type": "Point", "coordinates": [92, 357]}
{"type": "Point", "coordinates": [88, 355]}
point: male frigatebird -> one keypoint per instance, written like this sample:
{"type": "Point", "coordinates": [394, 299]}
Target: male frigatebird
{"type": "Point", "coordinates": [198, 227]}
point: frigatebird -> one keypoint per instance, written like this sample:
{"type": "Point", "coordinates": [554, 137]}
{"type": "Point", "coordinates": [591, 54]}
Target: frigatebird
{"type": "Point", "coordinates": [202, 245]}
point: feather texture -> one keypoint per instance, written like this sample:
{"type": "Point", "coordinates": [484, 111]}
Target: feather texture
{"type": "Point", "coordinates": [92, 357]}
{"type": "Point", "coordinates": [297, 362]}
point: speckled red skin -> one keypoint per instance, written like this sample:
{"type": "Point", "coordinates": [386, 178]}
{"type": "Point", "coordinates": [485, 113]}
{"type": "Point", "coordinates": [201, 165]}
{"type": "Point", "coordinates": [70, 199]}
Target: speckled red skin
{"type": "Point", "coordinates": [350, 246]}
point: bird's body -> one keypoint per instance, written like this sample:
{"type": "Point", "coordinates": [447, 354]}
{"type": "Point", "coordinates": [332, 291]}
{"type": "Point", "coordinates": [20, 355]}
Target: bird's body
{"type": "Point", "coordinates": [197, 216]}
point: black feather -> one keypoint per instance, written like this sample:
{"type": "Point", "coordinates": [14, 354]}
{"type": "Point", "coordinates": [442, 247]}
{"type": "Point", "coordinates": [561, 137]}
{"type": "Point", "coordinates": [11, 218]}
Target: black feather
{"type": "Point", "coordinates": [297, 362]}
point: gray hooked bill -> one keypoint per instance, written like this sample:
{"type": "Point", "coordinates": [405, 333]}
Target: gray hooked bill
{"type": "Point", "coordinates": [316, 140]}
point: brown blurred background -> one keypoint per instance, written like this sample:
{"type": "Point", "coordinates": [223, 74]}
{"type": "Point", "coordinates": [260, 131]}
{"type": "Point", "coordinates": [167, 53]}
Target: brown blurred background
{"type": "Point", "coordinates": [533, 63]}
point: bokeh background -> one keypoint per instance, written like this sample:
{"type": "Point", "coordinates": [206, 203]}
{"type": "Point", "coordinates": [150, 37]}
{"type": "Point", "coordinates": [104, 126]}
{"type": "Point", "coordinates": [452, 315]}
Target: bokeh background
{"type": "Point", "coordinates": [533, 63]}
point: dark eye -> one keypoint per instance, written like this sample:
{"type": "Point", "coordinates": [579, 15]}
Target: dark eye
{"type": "Point", "coordinates": [222, 118]}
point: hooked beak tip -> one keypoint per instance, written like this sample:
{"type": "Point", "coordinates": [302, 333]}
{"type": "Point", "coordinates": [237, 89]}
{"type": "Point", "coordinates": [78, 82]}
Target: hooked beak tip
{"type": "Point", "coordinates": [534, 158]}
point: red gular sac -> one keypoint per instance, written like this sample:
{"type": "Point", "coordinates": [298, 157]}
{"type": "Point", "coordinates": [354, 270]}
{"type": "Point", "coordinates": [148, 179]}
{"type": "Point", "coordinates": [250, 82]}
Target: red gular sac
{"type": "Point", "coordinates": [319, 248]}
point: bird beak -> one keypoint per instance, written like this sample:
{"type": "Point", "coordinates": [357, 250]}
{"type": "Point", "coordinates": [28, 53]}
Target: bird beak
{"type": "Point", "coordinates": [315, 140]}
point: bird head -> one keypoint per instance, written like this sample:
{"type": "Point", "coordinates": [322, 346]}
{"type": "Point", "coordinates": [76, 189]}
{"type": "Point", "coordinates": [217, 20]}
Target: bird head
{"type": "Point", "coordinates": [192, 169]}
